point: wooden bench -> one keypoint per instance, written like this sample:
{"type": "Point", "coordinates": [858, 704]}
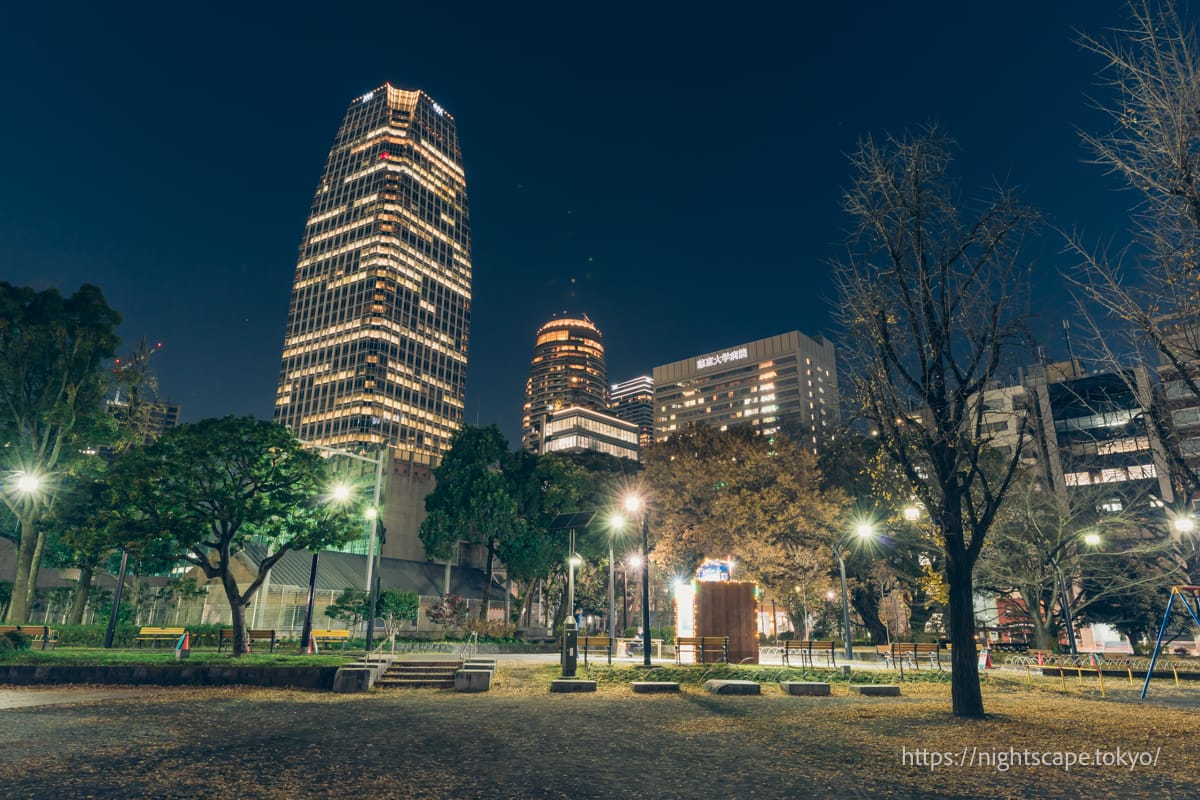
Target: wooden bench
{"type": "Point", "coordinates": [703, 646]}
{"type": "Point", "coordinates": [806, 650]}
{"type": "Point", "coordinates": [633, 647]}
{"type": "Point", "coordinates": [40, 634]}
{"type": "Point", "coordinates": [156, 635]}
{"type": "Point", "coordinates": [225, 636]}
{"type": "Point", "coordinates": [589, 642]}
{"type": "Point", "coordinates": [321, 637]}
{"type": "Point", "coordinates": [896, 653]}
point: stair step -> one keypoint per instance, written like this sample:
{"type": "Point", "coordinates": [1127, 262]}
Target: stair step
{"type": "Point", "coordinates": [420, 674]}
{"type": "Point", "coordinates": [386, 683]}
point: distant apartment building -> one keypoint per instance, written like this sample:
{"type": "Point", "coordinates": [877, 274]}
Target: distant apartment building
{"type": "Point", "coordinates": [782, 383]}
{"type": "Point", "coordinates": [1181, 402]}
{"type": "Point", "coordinates": [633, 401]}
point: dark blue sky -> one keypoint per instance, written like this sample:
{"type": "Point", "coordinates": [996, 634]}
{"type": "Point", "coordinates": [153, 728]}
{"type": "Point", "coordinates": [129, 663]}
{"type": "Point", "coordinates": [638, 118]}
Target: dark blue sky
{"type": "Point", "coordinates": [675, 173]}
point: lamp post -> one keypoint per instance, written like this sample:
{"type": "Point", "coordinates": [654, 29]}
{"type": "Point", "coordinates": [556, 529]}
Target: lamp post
{"type": "Point", "coordinates": [373, 591]}
{"type": "Point", "coordinates": [865, 531]}
{"type": "Point", "coordinates": [340, 494]}
{"type": "Point", "coordinates": [634, 505]}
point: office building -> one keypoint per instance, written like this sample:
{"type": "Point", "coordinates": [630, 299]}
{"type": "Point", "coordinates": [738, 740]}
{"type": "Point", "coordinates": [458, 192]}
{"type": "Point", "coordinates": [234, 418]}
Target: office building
{"type": "Point", "coordinates": [577, 430]}
{"type": "Point", "coordinates": [782, 383]}
{"type": "Point", "coordinates": [567, 371]}
{"type": "Point", "coordinates": [633, 401]}
{"type": "Point", "coordinates": [375, 352]}
{"type": "Point", "coordinates": [375, 349]}
{"type": "Point", "coordinates": [1091, 433]}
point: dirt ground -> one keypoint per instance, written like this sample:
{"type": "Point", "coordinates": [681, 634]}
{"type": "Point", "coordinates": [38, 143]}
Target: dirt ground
{"type": "Point", "coordinates": [520, 741]}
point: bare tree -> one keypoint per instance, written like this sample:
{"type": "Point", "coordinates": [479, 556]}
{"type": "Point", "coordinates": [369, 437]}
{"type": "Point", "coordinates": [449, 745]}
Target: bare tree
{"type": "Point", "coordinates": [1051, 551]}
{"type": "Point", "coordinates": [932, 310]}
{"type": "Point", "coordinates": [1151, 288]}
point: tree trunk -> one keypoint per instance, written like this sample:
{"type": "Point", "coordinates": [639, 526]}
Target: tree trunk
{"type": "Point", "coordinates": [18, 607]}
{"type": "Point", "coordinates": [965, 695]}
{"type": "Point", "coordinates": [82, 588]}
{"type": "Point", "coordinates": [237, 611]}
{"type": "Point", "coordinates": [34, 567]}
{"type": "Point", "coordinates": [486, 605]}
{"type": "Point", "coordinates": [862, 600]}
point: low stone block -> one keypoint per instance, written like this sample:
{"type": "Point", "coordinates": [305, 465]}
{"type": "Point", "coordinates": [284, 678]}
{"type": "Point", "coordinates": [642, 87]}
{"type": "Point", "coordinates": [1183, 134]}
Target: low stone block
{"type": "Point", "coordinates": [654, 687]}
{"type": "Point", "coordinates": [567, 685]}
{"type": "Point", "coordinates": [472, 680]}
{"type": "Point", "coordinates": [732, 687]}
{"type": "Point", "coordinates": [805, 688]}
{"type": "Point", "coordinates": [352, 679]}
{"type": "Point", "coordinates": [876, 690]}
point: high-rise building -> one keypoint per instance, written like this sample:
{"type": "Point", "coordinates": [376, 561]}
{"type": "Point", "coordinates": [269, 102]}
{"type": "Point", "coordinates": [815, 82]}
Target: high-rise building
{"type": "Point", "coordinates": [786, 382]}
{"type": "Point", "coordinates": [633, 401]}
{"type": "Point", "coordinates": [375, 352]}
{"type": "Point", "coordinates": [567, 370]}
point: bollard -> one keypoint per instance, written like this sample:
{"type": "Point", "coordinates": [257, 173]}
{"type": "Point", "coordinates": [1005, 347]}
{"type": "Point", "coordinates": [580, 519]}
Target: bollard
{"type": "Point", "coordinates": [570, 652]}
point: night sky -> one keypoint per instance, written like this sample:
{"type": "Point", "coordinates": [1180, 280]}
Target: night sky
{"type": "Point", "coordinates": [675, 173]}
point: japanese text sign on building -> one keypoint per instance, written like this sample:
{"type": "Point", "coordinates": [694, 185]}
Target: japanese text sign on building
{"type": "Point", "coordinates": [722, 358]}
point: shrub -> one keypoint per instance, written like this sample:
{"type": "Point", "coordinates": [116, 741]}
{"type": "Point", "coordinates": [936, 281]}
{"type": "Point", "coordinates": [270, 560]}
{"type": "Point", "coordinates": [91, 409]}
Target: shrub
{"type": "Point", "coordinates": [14, 642]}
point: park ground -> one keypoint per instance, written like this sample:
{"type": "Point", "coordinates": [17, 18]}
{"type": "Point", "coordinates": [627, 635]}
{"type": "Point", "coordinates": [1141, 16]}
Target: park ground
{"type": "Point", "coordinates": [521, 741]}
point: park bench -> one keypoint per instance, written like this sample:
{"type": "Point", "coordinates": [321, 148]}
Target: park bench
{"type": "Point", "coordinates": [896, 653]}
{"type": "Point", "coordinates": [42, 635]}
{"type": "Point", "coordinates": [225, 636]}
{"type": "Point", "coordinates": [633, 647]}
{"type": "Point", "coordinates": [323, 637]}
{"type": "Point", "coordinates": [156, 635]}
{"type": "Point", "coordinates": [599, 643]}
{"type": "Point", "coordinates": [702, 646]}
{"type": "Point", "coordinates": [806, 650]}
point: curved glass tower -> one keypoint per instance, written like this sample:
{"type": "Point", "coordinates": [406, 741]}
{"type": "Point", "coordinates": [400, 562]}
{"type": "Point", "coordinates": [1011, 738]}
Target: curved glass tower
{"type": "Point", "coordinates": [375, 351]}
{"type": "Point", "coordinates": [567, 370]}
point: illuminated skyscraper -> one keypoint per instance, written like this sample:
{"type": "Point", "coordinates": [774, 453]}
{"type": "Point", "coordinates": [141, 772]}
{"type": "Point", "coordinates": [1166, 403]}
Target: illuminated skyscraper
{"type": "Point", "coordinates": [375, 351]}
{"type": "Point", "coordinates": [567, 370]}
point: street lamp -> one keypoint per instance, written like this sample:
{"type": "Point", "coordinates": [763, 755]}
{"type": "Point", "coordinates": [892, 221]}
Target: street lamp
{"type": "Point", "coordinates": [634, 505]}
{"type": "Point", "coordinates": [27, 484]}
{"type": "Point", "coordinates": [340, 494]}
{"type": "Point", "coordinates": [373, 591]}
{"type": "Point", "coordinates": [616, 523]}
{"type": "Point", "coordinates": [864, 530]}
{"type": "Point", "coordinates": [1183, 524]}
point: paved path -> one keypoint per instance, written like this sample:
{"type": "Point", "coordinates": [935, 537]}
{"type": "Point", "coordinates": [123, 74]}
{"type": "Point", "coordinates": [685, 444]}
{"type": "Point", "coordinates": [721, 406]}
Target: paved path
{"type": "Point", "coordinates": [27, 697]}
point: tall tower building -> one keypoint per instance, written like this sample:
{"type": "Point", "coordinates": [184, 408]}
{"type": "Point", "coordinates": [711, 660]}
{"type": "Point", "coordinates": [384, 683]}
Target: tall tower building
{"type": "Point", "coordinates": [375, 351]}
{"type": "Point", "coordinates": [568, 370]}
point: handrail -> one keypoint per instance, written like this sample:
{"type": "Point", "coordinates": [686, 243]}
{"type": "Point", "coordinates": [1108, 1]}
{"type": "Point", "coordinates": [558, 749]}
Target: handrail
{"type": "Point", "coordinates": [470, 648]}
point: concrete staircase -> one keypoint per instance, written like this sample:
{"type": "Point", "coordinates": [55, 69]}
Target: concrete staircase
{"type": "Point", "coordinates": [419, 674]}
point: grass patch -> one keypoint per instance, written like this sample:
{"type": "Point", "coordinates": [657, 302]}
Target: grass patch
{"type": "Point", "coordinates": [70, 656]}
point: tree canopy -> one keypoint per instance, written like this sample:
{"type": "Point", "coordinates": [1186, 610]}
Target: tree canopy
{"type": "Point", "coordinates": [52, 351]}
{"type": "Point", "coordinates": [218, 485]}
{"type": "Point", "coordinates": [733, 493]}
